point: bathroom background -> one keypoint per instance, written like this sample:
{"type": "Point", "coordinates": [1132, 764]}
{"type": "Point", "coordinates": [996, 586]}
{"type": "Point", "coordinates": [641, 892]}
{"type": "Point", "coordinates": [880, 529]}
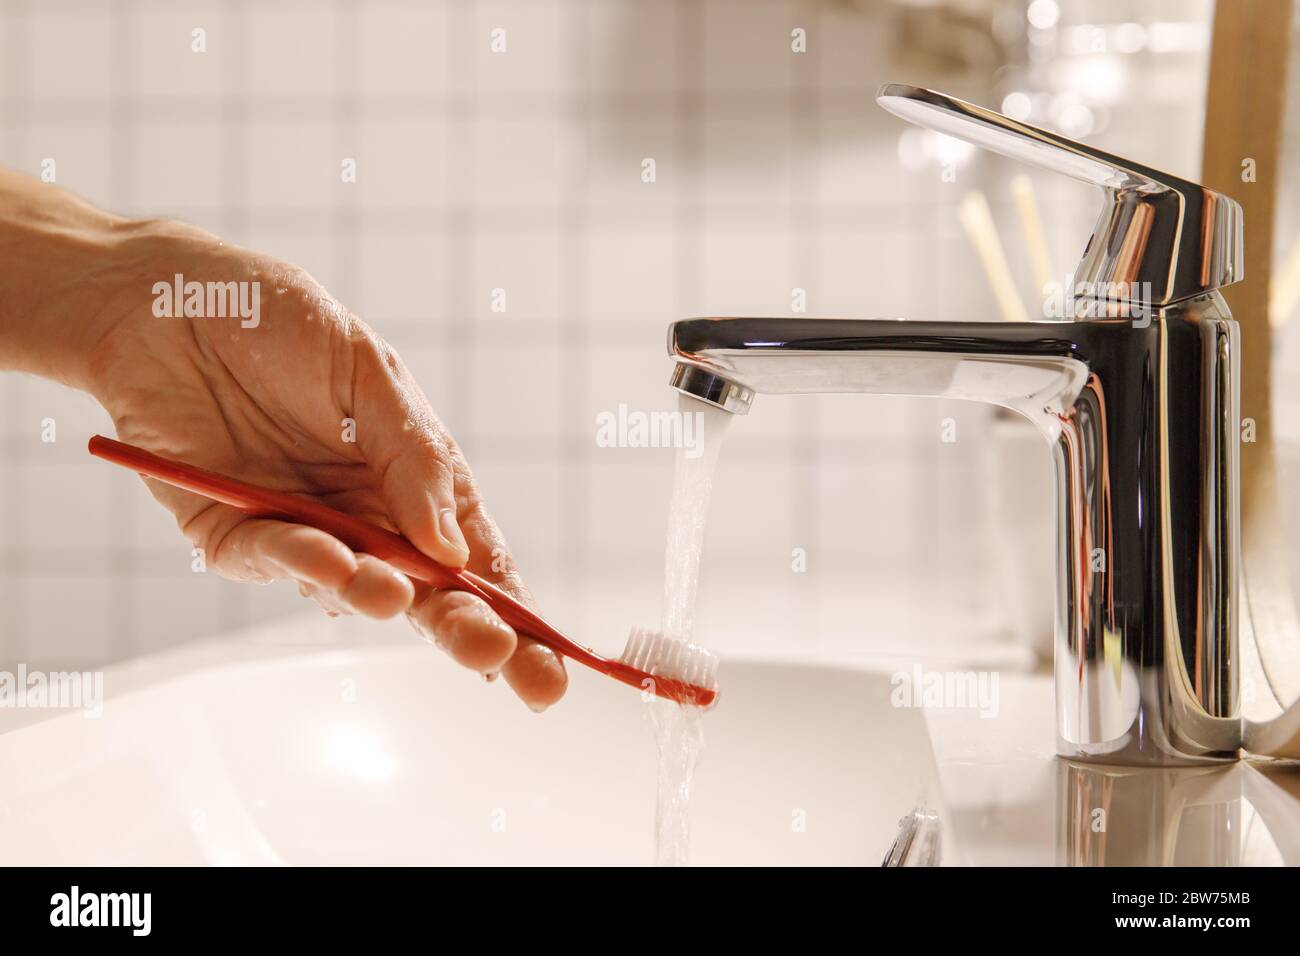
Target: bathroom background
{"type": "Point", "coordinates": [521, 170]}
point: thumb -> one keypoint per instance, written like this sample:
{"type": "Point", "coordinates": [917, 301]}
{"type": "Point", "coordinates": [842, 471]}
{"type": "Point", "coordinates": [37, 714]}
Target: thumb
{"type": "Point", "coordinates": [408, 449]}
{"type": "Point", "coordinates": [419, 490]}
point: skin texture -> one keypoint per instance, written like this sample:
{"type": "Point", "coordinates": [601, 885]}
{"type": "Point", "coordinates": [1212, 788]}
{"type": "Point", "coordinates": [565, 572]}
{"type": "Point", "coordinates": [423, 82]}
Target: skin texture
{"type": "Point", "coordinates": [267, 405]}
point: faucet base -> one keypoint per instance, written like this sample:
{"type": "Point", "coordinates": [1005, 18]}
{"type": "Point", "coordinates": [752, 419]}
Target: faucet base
{"type": "Point", "coordinates": [1131, 755]}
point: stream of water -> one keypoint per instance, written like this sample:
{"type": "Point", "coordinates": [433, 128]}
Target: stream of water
{"type": "Point", "coordinates": [678, 730]}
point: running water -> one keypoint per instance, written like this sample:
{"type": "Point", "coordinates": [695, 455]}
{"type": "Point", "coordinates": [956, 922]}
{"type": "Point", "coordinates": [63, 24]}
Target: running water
{"type": "Point", "coordinates": [679, 731]}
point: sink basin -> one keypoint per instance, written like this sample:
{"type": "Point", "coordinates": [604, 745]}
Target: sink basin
{"type": "Point", "coordinates": [264, 752]}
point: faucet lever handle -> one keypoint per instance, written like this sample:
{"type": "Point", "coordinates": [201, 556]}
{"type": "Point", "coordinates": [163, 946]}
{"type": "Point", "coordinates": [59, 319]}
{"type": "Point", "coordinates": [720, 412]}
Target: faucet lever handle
{"type": "Point", "coordinates": [1158, 239]}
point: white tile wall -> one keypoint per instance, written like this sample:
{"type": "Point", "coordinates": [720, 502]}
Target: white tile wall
{"type": "Point", "coordinates": [171, 64]}
{"type": "Point", "coordinates": [290, 48]}
{"type": "Point", "coordinates": [523, 171]}
{"type": "Point", "coordinates": [290, 164]}
{"type": "Point", "coordinates": [59, 36]}
{"type": "Point", "coordinates": [77, 150]}
{"type": "Point", "coordinates": [400, 49]}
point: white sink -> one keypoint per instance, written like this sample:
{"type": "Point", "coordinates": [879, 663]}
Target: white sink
{"type": "Point", "coordinates": [259, 751]}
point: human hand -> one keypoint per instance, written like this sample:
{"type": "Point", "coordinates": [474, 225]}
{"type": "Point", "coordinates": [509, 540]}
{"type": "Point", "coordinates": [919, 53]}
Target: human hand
{"type": "Point", "coordinates": [306, 399]}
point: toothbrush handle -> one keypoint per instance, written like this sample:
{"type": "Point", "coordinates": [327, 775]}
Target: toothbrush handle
{"type": "Point", "coordinates": [357, 534]}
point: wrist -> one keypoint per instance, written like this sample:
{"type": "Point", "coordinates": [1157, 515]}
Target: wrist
{"type": "Point", "coordinates": [63, 269]}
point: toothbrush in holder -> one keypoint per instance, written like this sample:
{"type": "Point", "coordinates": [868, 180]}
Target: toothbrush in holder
{"type": "Point", "coordinates": [669, 668]}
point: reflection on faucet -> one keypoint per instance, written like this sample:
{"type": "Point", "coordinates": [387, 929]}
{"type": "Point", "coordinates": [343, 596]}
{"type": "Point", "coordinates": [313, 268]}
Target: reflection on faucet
{"type": "Point", "coordinates": [1194, 816]}
{"type": "Point", "coordinates": [919, 840]}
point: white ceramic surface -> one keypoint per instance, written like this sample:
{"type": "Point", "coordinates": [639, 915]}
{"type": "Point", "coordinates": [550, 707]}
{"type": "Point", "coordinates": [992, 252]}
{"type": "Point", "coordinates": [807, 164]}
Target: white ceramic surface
{"type": "Point", "coordinates": [278, 746]}
{"type": "Point", "coordinates": [389, 754]}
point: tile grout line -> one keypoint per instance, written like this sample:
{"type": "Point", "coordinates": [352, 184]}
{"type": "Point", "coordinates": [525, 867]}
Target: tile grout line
{"type": "Point", "coordinates": [124, 601]}
{"type": "Point", "coordinates": [576, 357]}
{"type": "Point", "coordinates": [16, 594]}
{"type": "Point", "coordinates": [688, 142]}
{"type": "Point", "coordinates": [347, 128]}
{"type": "Point", "coordinates": [460, 253]}
{"type": "Point", "coordinates": [314, 107]}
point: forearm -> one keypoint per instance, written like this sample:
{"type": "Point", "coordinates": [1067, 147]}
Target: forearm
{"type": "Point", "coordinates": [60, 268]}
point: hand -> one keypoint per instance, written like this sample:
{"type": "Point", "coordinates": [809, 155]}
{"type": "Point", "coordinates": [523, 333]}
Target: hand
{"type": "Point", "coordinates": [307, 400]}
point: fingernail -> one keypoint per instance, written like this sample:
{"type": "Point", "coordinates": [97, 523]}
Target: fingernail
{"type": "Point", "coordinates": [490, 676]}
{"type": "Point", "coordinates": [451, 532]}
{"type": "Point", "coordinates": [538, 708]}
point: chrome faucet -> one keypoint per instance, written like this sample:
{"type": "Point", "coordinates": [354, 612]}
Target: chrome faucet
{"type": "Point", "coordinates": [1137, 395]}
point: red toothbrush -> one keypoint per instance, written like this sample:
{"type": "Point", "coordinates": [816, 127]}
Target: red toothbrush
{"type": "Point", "coordinates": [670, 668]}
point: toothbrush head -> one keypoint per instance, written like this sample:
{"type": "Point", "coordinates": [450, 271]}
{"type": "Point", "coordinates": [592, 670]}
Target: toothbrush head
{"type": "Point", "coordinates": [675, 669]}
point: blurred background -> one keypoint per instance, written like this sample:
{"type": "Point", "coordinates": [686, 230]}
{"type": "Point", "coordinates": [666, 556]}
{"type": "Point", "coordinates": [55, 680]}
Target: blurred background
{"type": "Point", "coordinates": [521, 170]}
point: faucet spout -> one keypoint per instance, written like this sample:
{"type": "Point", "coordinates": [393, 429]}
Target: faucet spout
{"type": "Point", "coordinates": [712, 389]}
{"type": "Point", "coordinates": [1031, 367]}
{"type": "Point", "coordinates": [1142, 418]}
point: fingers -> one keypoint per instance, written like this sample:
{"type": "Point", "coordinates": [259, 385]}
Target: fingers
{"type": "Point", "coordinates": [339, 580]}
{"type": "Point", "coordinates": [372, 587]}
{"type": "Point", "coordinates": [474, 635]}
{"type": "Point", "coordinates": [466, 628]}
{"type": "Point", "coordinates": [241, 548]}
{"type": "Point", "coordinates": [420, 495]}
{"type": "Point", "coordinates": [277, 549]}
{"type": "Point", "coordinates": [376, 590]}
{"type": "Point", "coordinates": [325, 600]}
{"type": "Point", "coordinates": [535, 672]}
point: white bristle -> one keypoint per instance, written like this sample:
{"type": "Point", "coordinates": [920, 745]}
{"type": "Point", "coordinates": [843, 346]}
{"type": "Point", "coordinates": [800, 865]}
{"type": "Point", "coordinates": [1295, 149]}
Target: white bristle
{"type": "Point", "coordinates": [658, 654]}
